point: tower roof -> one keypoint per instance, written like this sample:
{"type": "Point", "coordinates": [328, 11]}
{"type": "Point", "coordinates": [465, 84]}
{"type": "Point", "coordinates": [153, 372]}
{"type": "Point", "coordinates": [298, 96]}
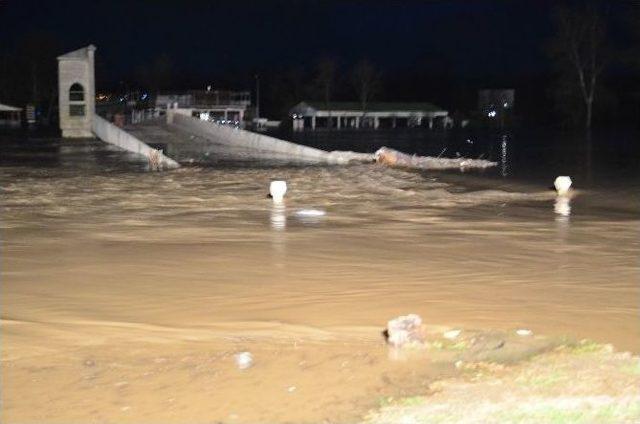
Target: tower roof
{"type": "Point", "coordinates": [80, 54]}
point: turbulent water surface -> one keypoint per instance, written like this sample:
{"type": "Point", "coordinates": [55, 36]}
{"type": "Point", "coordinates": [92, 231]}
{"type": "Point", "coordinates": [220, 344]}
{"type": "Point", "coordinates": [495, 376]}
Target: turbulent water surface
{"type": "Point", "coordinates": [126, 293]}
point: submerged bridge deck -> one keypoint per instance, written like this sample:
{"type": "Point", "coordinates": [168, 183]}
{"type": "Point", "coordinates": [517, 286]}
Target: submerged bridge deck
{"type": "Point", "coordinates": [185, 147]}
{"type": "Point", "coordinates": [190, 140]}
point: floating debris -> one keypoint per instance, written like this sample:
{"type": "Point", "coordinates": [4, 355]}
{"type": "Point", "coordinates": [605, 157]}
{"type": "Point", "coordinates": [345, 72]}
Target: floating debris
{"type": "Point", "coordinates": [310, 213]}
{"type": "Point", "coordinates": [390, 157]}
{"type": "Point", "coordinates": [404, 330]}
{"type": "Point", "coordinates": [244, 360]}
{"type": "Point", "coordinates": [451, 334]}
{"type": "Point", "coordinates": [524, 332]}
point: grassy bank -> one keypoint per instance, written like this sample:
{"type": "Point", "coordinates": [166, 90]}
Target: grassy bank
{"type": "Point", "coordinates": [581, 382]}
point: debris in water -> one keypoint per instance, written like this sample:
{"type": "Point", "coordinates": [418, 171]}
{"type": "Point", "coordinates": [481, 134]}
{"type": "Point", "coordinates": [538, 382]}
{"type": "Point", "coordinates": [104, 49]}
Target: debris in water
{"type": "Point", "coordinates": [405, 329]}
{"type": "Point", "coordinates": [244, 360]}
{"type": "Point", "coordinates": [390, 157]}
{"type": "Point", "coordinates": [310, 213]}
{"type": "Point", "coordinates": [154, 157]}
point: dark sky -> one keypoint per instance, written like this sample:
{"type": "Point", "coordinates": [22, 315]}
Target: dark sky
{"type": "Point", "coordinates": [467, 37]}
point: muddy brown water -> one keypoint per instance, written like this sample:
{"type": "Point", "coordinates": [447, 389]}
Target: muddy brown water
{"type": "Point", "coordinates": [126, 294]}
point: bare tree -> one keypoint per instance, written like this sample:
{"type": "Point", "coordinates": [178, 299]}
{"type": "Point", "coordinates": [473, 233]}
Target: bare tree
{"type": "Point", "coordinates": [580, 52]}
{"type": "Point", "coordinates": [325, 79]}
{"type": "Point", "coordinates": [366, 80]}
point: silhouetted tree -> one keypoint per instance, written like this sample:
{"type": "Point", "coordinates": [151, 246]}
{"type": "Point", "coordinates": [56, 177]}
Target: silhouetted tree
{"type": "Point", "coordinates": [28, 72]}
{"type": "Point", "coordinates": [325, 80]}
{"type": "Point", "coordinates": [581, 54]}
{"type": "Point", "coordinates": [366, 81]}
{"type": "Point", "coordinates": [161, 73]}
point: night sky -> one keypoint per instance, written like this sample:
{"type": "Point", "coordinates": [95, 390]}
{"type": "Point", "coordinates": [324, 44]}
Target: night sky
{"type": "Point", "coordinates": [423, 48]}
{"type": "Point", "coordinates": [471, 37]}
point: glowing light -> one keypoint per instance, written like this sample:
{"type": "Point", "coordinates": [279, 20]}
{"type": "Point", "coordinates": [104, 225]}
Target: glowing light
{"type": "Point", "coordinates": [204, 116]}
{"type": "Point", "coordinates": [492, 114]}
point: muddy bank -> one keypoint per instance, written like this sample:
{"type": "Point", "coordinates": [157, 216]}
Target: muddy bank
{"type": "Point", "coordinates": [130, 373]}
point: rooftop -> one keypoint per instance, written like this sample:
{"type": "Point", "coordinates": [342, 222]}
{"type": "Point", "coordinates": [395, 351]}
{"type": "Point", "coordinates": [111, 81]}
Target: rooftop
{"type": "Point", "coordinates": [7, 108]}
{"type": "Point", "coordinates": [373, 106]}
{"type": "Point", "coordinates": [79, 54]}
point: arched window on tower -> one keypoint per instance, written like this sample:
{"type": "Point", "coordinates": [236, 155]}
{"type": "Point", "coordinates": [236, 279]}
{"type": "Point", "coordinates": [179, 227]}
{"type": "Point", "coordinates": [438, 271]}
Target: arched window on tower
{"type": "Point", "coordinates": [76, 100]}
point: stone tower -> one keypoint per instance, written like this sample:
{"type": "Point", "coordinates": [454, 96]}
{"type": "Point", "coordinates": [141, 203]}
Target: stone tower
{"type": "Point", "coordinates": [77, 92]}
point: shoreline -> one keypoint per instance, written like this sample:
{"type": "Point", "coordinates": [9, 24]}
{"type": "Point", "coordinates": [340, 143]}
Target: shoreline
{"type": "Point", "coordinates": [295, 377]}
{"type": "Point", "coordinates": [584, 382]}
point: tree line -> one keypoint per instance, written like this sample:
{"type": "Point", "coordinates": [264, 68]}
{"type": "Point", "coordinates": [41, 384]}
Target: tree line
{"type": "Point", "coordinates": [583, 84]}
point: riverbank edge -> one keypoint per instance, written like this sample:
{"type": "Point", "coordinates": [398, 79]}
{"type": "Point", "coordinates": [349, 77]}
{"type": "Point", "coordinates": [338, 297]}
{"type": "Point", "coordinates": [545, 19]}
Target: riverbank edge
{"type": "Point", "coordinates": [574, 382]}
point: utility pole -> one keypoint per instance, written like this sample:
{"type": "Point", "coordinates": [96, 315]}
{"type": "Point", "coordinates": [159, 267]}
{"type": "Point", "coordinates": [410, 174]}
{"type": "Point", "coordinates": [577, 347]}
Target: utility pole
{"type": "Point", "coordinates": [257, 96]}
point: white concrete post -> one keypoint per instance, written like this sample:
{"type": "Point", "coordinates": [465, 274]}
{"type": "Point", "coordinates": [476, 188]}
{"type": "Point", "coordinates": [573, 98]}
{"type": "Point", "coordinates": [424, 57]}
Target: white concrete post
{"type": "Point", "coordinates": [339, 119]}
{"type": "Point", "coordinates": [431, 122]}
{"type": "Point", "coordinates": [357, 122]}
{"type": "Point", "coordinates": [376, 122]}
{"type": "Point", "coordinates": [313, 122]}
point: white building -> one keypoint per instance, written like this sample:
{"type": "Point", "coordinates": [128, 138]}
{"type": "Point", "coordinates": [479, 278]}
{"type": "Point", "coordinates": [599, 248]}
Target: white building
{"type": "Point", "coordinates": [376, 115]}
{"type": "Point", "coordinates": [216, 105]}
{"type": "Point", "coordinates": [10, 116]}
{"type": "Point", "coordinates": [76, 92]}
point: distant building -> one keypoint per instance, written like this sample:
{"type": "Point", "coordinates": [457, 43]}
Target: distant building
{"type": "Point", "coordinates": [491, 102]}
{"type": "Point", "coordinates": [376, 115]}
{"type": "Point", "coordinates": [10, 116]}
{"type": "Point", "coordinates": [76, 92]}
{"type": "Point", "coordinates": [221, 106]}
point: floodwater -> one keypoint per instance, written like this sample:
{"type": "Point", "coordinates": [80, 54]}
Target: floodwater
{"type": "Point", "coordinates": [126, 294]}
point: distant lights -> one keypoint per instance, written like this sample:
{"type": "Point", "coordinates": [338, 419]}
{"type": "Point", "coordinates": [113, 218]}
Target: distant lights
{"type": "Point", "coordinates": [492, 114]}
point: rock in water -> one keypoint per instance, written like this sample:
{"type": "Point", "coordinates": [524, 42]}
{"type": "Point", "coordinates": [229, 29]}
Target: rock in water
{"type": "Point", "coordinates": [404, 330]}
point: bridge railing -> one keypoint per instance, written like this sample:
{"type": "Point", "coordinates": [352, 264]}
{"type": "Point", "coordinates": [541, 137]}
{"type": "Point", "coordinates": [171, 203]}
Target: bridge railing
{"type": "Point", "coordinates": [112, 134]}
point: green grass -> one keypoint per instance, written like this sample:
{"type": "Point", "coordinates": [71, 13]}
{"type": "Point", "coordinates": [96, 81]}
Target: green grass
{"type": "Point", "coordinates": [587, 414]}
{"type": "Point", "coordinates": [407, 401]}
{"type": "Point", "coordinates": [447, 345]}
{"type": "Point", "coordinates": [542, 381]}
{"type": "Point", "coordinates": [631, 369]}
{"type": "Point", "coordinates": [585, 346]}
